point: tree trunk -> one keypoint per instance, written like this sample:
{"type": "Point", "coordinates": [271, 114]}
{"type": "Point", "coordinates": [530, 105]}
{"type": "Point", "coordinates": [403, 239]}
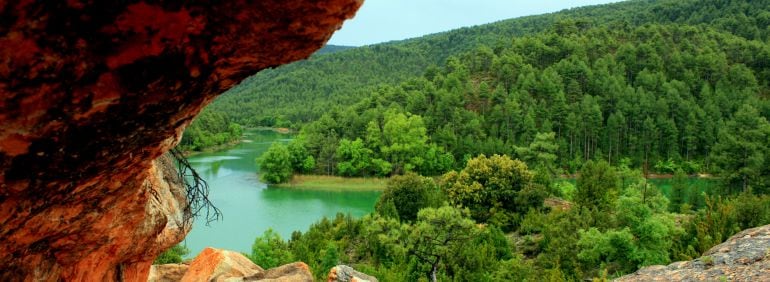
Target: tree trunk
{"type": "Point", "coordinates": [745, 183]}
{"type": "Point", "coordinates": [433, 271]}
{"type": "Point", "coordinates": [609, 156]}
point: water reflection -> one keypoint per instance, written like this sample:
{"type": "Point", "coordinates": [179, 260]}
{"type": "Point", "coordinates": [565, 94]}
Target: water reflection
{"type": "Point", "coordinates": [250, 208]}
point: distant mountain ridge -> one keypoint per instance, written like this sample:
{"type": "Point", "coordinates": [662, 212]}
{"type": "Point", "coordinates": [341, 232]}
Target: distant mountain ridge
{"type": "Point", "coordinates": [330, 48]}
{"type": "Point", "coordinates": [339, 76]}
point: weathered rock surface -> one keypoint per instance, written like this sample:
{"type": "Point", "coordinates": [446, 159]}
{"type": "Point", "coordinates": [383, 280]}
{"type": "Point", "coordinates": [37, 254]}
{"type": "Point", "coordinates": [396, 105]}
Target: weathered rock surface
{"type": "Point", "coordinates": [743, 257]}
{"type": "Point", "coordinates": [92, 92]}
{"type": "Point", "coordinates": [219, 265]}
{"type": "Point", "coordinates": [344, 273]}
{"type": "Point", "coordinates": [171, 272]}
{"type": "Point", "coordinates": [223, 265]}
{"type": "Point", "coordinates": [293, 272]}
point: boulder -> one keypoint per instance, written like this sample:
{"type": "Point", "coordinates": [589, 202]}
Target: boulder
{"type": "Point", "coordinates": [743, 257]}
{"type": "Point", "coordinates": [344, 273]}
{"type": "Point", "coordinates": [219, 265]}
{"type": "Point", "coordinates": [171, 272]}
{"type": "Point", "coordinates": [293, 272]}
{"type": "Point", "coordinates": [228, 266]}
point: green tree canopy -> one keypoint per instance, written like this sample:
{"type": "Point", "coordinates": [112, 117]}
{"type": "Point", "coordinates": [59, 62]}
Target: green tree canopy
{"type": "Point", "coordinates": [436, 235]}
{"type": "Point", "coordinates": [301, 160]}
{"type": "Point", "coordinates": [269, 250]}
{"type": "Point", "coordinates": [741, 154]}
{"type": "Point", "coordinates": [275, 164]}
{"type": "Point", "coordinates": [541, 153]}
{"type": "Point", "coordinates": [401, 139]}
{"type": "Point", "coordinates": [597, 186]}
{"type": "Point", "coordinates": [408, 193]}
{"type": "Point", "coordinates": [353, 158]}
{"type": "Point", "coordinates": [493, 188]}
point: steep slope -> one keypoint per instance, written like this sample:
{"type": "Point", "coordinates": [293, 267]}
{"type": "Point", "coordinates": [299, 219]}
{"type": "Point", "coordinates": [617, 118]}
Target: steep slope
{"type": "Point", "coordinates": [302, 91]}
{"type": "Point", "coordinates": [91, 93]}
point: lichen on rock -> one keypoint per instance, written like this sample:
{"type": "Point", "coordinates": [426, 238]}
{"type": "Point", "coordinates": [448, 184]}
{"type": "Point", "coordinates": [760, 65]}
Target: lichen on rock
{"type": "Point", "coordinates": [743, 257]}
{"type": "Point", "coordinates": [344, 273]}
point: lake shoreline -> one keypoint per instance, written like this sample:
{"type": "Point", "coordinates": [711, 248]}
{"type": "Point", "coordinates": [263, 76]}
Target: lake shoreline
{"type": "Point", "coordinates": [232, 144]}
{"type": "Point", "coordinates": [281, 130]}
{"type": "Point", "coordinates": [333, 183]}
{"type": "Point", "coordinates": [214, 149]}
{"type": "Point", "coordinates": [249, 207]}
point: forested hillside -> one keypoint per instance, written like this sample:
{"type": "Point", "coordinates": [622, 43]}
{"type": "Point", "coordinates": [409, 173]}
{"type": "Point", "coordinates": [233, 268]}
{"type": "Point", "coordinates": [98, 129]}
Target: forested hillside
{"type": "Point", "coordinates": [210, 129]}
{"type": "Point", "coordinates": [303, 91]}
{"type": "Point", "coordinates": [660, 96]}
{"type": "Point", "coordinates": [214, 128]}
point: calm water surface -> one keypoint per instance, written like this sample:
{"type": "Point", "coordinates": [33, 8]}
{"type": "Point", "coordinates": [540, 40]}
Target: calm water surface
{"type": "Point", "coordinates": [250, 207]}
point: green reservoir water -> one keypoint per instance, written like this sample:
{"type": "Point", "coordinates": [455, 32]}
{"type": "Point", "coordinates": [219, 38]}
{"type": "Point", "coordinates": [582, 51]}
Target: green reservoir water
{"type": "Point", "coordinates": [250, 207]}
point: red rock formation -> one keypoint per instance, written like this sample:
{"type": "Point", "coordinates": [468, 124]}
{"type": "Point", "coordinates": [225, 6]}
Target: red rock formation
{"type": "Point", "coordinates": [223, 265]}
{"type": "Point", "coordinates": [219, 265]}
{"type": "Point", "coordinates": [91, 92]}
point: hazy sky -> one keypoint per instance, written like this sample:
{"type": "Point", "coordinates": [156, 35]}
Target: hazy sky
{"type": "Point", "coordinates": [385, 20]}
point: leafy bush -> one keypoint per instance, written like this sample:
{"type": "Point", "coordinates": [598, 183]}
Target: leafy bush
{"type": "Point", "coordinates": [269, 250]}
{"type": "Point", "coordinates": [173, 255]}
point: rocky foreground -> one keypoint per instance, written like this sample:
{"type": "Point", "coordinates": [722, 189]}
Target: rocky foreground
{"type": "Point", "coordinates": [223, 265]}
{"type": "Point", "coordinates": [743, 257]}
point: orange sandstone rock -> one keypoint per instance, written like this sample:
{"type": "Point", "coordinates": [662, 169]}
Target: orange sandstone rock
{"type": "Point", "coordinates": [293, 272]}
{"type": "Point", "coordinates": [219, 265]}
{"type": "Point", "coordinates": [222, 265]}
{"type": "Point", "coordinates": [167, 272]}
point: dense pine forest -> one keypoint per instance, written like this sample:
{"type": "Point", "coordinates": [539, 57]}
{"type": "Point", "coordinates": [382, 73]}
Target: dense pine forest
{"type": "Point", "coordinates": [477, 128]}
{"type": "Point", "coordinates": [301, 92]}
{"type": "Point", "coordinates": [659, 97]}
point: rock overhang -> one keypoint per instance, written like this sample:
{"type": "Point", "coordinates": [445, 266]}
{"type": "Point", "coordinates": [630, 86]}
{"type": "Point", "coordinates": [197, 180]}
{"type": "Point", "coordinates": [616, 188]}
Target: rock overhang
{"type": "Point", "coordinates": [92, 92]}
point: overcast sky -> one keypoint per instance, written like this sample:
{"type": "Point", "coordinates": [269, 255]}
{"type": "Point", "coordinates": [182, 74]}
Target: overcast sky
{"type": "Point", "coordinates": [385, 20]}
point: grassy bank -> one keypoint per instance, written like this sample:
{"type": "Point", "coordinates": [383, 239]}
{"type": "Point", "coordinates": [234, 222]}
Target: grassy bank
{"type": "Point", "coordinates": [335, 183]}
{"type": "Point", "coordinates": [282, 130]}
{"type": "Point", "coordinates": [233, 143]}
{"type": "Point", "coordinates": [215, 148]}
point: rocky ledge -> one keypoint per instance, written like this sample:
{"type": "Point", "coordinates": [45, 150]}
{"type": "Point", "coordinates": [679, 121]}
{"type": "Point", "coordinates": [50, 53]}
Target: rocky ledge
{"type": "Point", "coordinates": [344, 273]}
{"type": "Point", "coordinates": [743, 257]}
{"type": "Point", "coordinates": [223, 265]}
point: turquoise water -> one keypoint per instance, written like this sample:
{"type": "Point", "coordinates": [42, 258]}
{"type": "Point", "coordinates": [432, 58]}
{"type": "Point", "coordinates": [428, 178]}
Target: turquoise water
{"type": "Point", "coordinates": [250, 207]}
{"type": "Point", "coordinates": [700, 184]}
